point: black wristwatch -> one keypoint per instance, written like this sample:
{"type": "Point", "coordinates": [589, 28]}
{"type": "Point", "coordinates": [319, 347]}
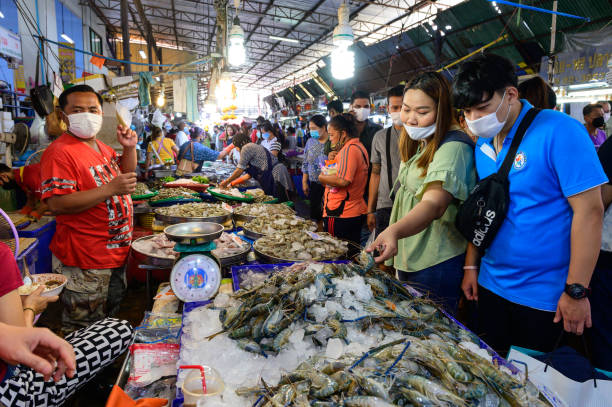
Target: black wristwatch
{"type": "Point", "coordinates": [577, 291]}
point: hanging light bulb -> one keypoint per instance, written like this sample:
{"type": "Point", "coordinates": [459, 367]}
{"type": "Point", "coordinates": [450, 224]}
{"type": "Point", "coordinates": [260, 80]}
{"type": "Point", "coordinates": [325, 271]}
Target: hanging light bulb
{"type": "Point", "coordinates": [236, 54]}
{"type": "Point", "coordinates": [64, 35]}
{"type": "Point", "coordinates": [161, 99]}
{"type": "Point", "coordinates": [343, 60]}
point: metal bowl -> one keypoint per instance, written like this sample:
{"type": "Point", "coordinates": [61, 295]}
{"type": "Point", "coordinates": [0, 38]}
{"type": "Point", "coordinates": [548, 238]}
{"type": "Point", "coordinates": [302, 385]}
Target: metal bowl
{"type": "Point", "coordinates": [236, 259]}
{"type": "Point", "coordinates": [171, 220]}
{"type": "Point", "coordinates": [145, 258]}
{"type": "Point", "coordinates": [194, 232]}
{"type": "Point", "coordinates": [252, 234]}
{"type": "Point", "coordinates": [163, 173]}
{"type": "Point", "coordinates": [243, 218]}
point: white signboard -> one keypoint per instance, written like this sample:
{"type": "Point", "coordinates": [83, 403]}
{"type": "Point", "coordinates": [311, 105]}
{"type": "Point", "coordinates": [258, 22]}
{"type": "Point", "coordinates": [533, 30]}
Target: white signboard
{"type": "Point", "coordinates": [10, 45]}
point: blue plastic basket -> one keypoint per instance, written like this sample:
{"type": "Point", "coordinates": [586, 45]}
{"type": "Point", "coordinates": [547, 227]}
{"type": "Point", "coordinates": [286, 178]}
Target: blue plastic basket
{"type": "Point", "coordinates": [28, 257]}
{"type": "Point", "coordinates": [44, 234]}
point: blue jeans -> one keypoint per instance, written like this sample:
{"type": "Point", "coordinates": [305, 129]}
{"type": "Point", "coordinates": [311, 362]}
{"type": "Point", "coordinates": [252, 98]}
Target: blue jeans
{"type": "Point", "coordinates": [443, 281]}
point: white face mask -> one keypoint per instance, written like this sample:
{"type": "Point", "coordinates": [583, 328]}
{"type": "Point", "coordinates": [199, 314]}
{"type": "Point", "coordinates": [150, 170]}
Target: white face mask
{"type": "Point", "coordinates": [420, 133]}
{"type": "Point", "coordinates": [85, 125]}
{"type": "Point", "coordinates": [606, 117]}
{"type": "Point", "coordinates": [488, 126]}
{"type": "Point", "coordinates": [395, 116]}
{"type": "Point", "coordinates": [362, 113]}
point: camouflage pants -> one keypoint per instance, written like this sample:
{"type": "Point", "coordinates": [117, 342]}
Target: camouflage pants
{"type": "Point", "coordinates": [89, 295]}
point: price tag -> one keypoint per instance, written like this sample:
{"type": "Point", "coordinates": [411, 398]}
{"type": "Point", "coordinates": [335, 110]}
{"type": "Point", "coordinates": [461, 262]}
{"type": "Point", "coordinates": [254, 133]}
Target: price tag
{"type": "Point", "coordinates": [314, 235]}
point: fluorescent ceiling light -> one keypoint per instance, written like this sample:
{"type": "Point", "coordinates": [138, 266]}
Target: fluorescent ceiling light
{"type": "Point", "coordinates": [143, 54]}
{"type": "Point", "coordinates": [588, 85]}
{"type": "Point", "coordinates": [601, 92]}
{"type": "Point", "coordinates": [67, 38]}
{"type": "Point", "coordinates": [274, 37]}
{"type": "Point", "coordinates": [448, 27]}
{"type": "Point", "coordinates": [1, 14]}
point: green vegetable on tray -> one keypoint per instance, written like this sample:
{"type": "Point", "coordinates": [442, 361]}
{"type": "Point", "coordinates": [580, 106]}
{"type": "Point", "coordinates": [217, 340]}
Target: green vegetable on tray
{"type": "Point", "coordinates": [201, 179]}
{"type": "Point", "coordinates": [168, 179]}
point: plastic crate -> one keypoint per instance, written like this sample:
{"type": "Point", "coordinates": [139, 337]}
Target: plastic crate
{"type": "Point", "coordinates": [44, 234]}
{"type": "Point", "coordinates": [28, 258]}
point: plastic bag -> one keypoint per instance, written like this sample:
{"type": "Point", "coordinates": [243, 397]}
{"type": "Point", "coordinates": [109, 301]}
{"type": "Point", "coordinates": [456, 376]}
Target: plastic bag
{"type": "Point", "coordinates": [159, 328]}
{"type": "Point", "coordinates": [158, 119]}
{"type": "Point", "coordinates": [124, 117]}
{"type": "Point", "coordinates": [151, 362]}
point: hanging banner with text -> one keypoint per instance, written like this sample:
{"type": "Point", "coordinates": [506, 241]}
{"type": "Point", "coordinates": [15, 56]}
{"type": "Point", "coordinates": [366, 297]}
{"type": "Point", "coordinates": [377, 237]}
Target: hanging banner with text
{"type": "Point", "coordinates": [576, 67]}
{"type": "Point", "coordinates": [67, 63]}
{"type": "Point", "coordinates": [10, 45]}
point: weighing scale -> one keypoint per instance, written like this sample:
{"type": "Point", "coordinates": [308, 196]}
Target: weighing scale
{"type": "Point", "coordinates": [196, 275]}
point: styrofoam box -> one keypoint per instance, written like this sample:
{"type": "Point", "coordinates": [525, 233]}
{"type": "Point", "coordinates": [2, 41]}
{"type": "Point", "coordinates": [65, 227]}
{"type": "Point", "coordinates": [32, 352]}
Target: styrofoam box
{"type": "Point", "coordinates": [6, 115]}
{"type": "Point", "coordinates": [8, 126]}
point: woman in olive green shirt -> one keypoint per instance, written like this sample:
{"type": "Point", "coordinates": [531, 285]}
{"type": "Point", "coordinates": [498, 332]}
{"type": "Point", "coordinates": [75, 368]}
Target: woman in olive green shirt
{"type": "Point", "coordinates": [435, 176]}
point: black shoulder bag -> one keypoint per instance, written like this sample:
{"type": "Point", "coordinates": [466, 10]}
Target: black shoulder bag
{"type": "Point", "coordinates": [482, 214]}
{"type": "Point", "coordinates": [389, 164]}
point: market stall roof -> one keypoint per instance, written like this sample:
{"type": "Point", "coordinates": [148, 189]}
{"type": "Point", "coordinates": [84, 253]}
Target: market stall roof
{"type": "Point", "coordinates": [466, 27]}
{"type": "Point", "coordinates": [190, 25]}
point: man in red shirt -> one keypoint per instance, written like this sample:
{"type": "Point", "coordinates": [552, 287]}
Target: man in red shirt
{"type": "Point", "coordinates": [88, 186]}
{"type": "Point", "coordinates": [26, 178]}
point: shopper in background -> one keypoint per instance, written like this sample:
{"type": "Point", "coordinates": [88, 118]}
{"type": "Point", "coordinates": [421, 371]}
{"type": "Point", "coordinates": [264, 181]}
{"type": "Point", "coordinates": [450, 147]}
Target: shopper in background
{"type": "Point", "coordinates": [181, 135]}
{"type": "Point", "coordinates": [270, 141]}
{"type": "Point", "coordinates": [206, 139]}
{"type": "Point", "coordinates": [257, 161]}
{"type": "Point", "coordinates": [160, 147]}
{"type": "Point", "coordinates": [538, 93]}
{"type": "Point", "coordinates": [385, 162]}
{"type": "Point", "coordinates": [27, 179]}
{"type": "Point", "coordinates": [201, 153]}
{"type": "Point", "coordinates": [594, 123]}
{"type": "Point", "coordinates": [292, 138]}
{"type": "Point", "coordinates": [436, 174]}
{"type": "Point", "coordinates": [95, 347]}
{"type": "Point", "coordinates": [537, 269]}
{"type": "Point", "coordinates": [314, 157]}
{"type": "Point", "coordinates": [88, 186]}
{"type": "Point", "coordinates": [601, 283]}
{"type": "Point", "coordinates": [219, 141]}
{"type": "Point", "coordinates": [344, 205]}
{"type": "Point", "coordinates": [360, 109]}
{"type": "Point", "coordinates": [334, 108]}
{"type": "Point", "coordinates": [606, 115]}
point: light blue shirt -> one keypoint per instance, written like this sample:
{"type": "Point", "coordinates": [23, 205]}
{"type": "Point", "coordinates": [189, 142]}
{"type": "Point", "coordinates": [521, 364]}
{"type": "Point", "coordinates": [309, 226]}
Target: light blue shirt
{"type": "Point", "coordinates": [528, 261]}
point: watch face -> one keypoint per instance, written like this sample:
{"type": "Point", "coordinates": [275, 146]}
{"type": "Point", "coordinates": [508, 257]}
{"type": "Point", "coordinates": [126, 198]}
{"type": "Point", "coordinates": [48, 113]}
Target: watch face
{"type": "Point", "coordinates": [576, 291]}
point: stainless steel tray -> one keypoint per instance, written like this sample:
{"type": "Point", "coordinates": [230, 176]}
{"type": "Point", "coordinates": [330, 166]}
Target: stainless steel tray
{"type": "Point", "coordinates": [172, 220]}
{"type": "Point", "coordinates": [272, 260]}
{"type": "Point", "coordinates": [144, 258]}
{"type": "Point", "coordinates": [243, 218]}
{"type": "Point", "coordinates": [194, 232]}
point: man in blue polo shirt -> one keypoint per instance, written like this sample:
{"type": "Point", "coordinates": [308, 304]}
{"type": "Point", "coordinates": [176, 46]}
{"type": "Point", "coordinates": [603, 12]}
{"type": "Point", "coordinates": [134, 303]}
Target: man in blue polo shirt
{"type": "Point", "coordinates": [536, 273]}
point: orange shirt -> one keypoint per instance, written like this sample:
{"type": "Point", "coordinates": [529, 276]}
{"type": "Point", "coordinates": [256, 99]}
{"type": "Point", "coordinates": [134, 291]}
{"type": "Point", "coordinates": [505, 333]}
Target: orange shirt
{"type": "Point", "coordinates": [28, 179]}
{"type": "Point", "coordinates": [353, 162]}
{"type": "Point", "coordinates": [99, 237]}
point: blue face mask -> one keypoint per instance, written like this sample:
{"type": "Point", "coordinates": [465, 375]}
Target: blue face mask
{"type": "Point", "coordinates": [314, 134]}
{"type": "Point", "coordinates": [265, 136]}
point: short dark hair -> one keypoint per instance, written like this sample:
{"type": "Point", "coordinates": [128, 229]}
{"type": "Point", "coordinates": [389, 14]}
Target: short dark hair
{"type": "Point", "coordinates": [359, 94]}
{"type": "Point", "coordinates": [336, 105]}
{"type": "Point", "coordinates": [4, 168]}
{"type": "Point", "coordinates": [396, 91]}
{"type": "Point", "coordinates": [319, 120]}
{"type": "Point", "coordinates": [290, 130]}
{"type": "Point", "coordinates": [345, 122]}
{"type": "Point", "coordinates": [240, 140]}
{"type": "Point", "coordinates": [195, 132]}
{"type": "Point", "coordinates": [482, 76]}
{"type": "Point", "coordinates": [590, 107]}
{"type": "Point", "coordinates": [63, 99]}
{"type": "Point", "coordinates": [156, 132]}
{"type": "Point", "coordinates": [260, 120]}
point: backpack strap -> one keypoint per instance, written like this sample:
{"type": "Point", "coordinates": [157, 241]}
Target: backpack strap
{"type": "Point", "coordinates": [389, 165]}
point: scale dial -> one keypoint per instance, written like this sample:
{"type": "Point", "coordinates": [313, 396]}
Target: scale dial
{"type": "Point", "coordinates": [195, 278]}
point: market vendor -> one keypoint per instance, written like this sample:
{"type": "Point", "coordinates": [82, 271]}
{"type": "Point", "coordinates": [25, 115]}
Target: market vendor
{"type": "Point", "coordinates": [257, 161]}
{"type": "Point", "coordinates": [88, 186]}
{"type": "Point", "coordinates": [435, 175]}
{"type": "Point", "coordinates": [201, 153]}
{"type": "Point", "coordinates": [26, 178]}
